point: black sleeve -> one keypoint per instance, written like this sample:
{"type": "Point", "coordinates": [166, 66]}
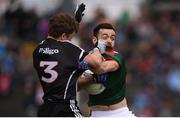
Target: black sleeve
{"type": "Point", "coordinates": [83, 55]}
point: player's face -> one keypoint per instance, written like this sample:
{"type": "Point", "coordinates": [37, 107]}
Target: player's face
{"type": "Point", "coordinates": [108, 36]}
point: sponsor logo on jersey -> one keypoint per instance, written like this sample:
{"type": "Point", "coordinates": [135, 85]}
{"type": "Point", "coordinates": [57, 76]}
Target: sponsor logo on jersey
{"type": "Point", "coordinates": [48, 51]}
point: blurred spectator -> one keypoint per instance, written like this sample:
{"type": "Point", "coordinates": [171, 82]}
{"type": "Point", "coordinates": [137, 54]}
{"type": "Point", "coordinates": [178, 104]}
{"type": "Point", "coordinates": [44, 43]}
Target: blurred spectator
{"type": "Point", "coordinates": [173, 79]}
{"type": "Point", "coordinates": [5, 84]}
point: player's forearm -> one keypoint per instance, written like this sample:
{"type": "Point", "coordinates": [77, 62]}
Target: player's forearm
{"type": "Point", "coordinates": [101, 69]}
{"type": "Point", "coordinates": [106, 66]}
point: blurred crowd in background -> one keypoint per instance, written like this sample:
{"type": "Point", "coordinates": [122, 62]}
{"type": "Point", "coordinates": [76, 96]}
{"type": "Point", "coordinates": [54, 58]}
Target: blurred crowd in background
{"type": "Point", "coordinates": [150, 44]}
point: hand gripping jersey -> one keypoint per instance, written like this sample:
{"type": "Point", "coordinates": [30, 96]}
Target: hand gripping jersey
{"type": "Point", "coordinates": [115, 89]}
{"type": "Point", "coordinates": [56, 63]}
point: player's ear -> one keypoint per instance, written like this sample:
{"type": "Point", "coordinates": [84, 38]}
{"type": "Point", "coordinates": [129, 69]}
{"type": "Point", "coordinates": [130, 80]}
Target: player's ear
{"type": "Point", "coordinates": [94, 40]}
{"type": "Point", "coordinates": [64, 36]}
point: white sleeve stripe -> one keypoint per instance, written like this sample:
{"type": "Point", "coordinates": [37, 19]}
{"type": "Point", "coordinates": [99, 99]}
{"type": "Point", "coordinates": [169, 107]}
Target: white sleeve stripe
{"type": "Point", "coordinates": [80, 56]}
{"type": "Point", "coordinates": [68, 84]}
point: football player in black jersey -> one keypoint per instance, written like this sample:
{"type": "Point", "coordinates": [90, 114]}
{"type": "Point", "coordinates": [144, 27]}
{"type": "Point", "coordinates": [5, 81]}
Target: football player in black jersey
{"type": "Point", "coordinates": [56, 61]}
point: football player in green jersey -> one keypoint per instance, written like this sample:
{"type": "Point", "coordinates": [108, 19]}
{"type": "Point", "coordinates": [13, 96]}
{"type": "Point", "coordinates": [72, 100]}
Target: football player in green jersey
{"type": "Point", "coordinates": [111, 102]}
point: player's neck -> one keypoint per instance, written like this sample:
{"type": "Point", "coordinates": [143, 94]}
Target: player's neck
{"type": "Point", "coordinates": [50, 37]}
{"type": "Point", "coordinates": [57, 39]}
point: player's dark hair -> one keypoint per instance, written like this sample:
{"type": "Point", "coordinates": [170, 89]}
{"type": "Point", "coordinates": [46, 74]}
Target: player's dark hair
{"type": "Point", "coordinates": [102, 26]}
{"type": "Point", "coordinates": [62, 23]}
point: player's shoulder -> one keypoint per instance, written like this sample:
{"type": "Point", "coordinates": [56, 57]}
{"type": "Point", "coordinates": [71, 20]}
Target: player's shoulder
{"type": "Point", "coordinates": [115, 52]}
{"type": "Point", "coordinates": [118, 55]}
{"type": "Point", "coordinates": [40, 46]}
{"type": "Point", "coordinates": [71, 45]}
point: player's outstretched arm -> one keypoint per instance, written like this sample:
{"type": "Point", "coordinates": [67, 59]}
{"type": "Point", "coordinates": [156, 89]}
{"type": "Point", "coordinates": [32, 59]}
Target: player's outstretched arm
{"type": "Point", "coordinates": [79, 13]}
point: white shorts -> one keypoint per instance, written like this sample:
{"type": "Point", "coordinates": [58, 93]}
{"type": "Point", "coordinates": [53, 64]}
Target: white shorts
{"type": "Point", "coordinates": [122, 112]}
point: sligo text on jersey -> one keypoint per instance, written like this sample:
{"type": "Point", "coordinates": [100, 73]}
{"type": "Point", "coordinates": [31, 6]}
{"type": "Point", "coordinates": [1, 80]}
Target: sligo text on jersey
{"type": "Point", "coordinates": [48, 51]}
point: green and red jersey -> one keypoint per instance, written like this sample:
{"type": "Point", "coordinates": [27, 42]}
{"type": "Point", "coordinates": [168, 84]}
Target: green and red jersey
{"type": "Point", "coordinates": [115, 89]}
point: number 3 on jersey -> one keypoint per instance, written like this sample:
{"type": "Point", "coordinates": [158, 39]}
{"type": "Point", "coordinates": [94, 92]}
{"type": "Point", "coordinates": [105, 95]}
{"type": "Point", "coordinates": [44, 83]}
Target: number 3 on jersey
{"type": "Point", "coordinates": [49, 70]}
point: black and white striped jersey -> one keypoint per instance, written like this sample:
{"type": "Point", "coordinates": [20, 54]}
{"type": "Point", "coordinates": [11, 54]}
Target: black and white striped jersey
{"type": "Point", "coordinates": [56, 63]}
